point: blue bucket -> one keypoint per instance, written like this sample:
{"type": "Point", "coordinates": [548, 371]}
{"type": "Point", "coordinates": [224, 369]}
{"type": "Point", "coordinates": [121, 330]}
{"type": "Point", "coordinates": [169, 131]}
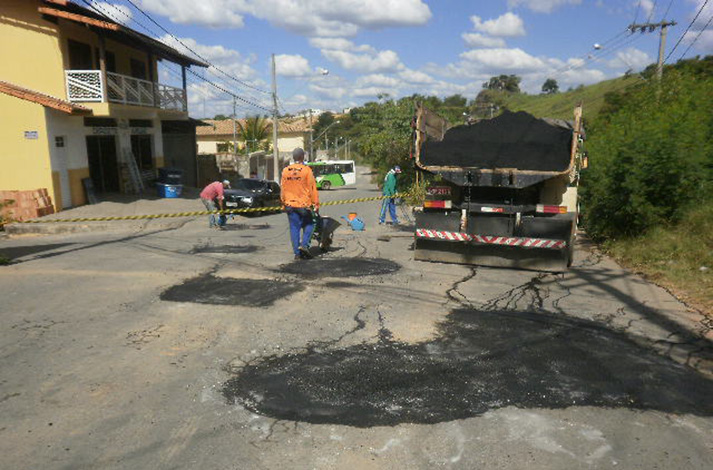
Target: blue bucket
{"type": "Point", "coordinates": [169, 190]}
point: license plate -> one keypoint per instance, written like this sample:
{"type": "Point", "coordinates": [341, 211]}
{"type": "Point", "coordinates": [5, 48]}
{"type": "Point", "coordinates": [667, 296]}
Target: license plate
{"type": "Point", "coordinates": [231, 204]}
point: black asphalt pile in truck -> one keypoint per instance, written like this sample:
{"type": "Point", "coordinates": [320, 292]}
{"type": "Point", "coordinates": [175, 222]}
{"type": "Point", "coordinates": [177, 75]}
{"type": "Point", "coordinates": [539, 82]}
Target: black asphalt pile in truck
{"type": "Point", "coordinates": [512, 140]}
{"type": "Point", "coordinates": [506, 193]}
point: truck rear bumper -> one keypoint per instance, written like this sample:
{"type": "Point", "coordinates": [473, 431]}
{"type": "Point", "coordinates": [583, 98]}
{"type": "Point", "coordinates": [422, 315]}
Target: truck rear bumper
{"type": "Point", "coordinates": [524, 242]}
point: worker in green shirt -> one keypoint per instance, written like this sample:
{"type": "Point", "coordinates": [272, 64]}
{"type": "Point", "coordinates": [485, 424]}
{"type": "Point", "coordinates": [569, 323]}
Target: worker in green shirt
{"type": "Point", "coordinates": [390, 192]}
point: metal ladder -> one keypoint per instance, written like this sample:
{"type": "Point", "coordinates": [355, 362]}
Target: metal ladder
{"type": "Point", "coordinates": [135, 181]}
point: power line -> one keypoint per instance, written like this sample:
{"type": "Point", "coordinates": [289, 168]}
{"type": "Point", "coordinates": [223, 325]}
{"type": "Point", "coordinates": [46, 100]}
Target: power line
{"type": "Point", "coordinates": [651, 13]}
{"type": "Point", "coordinates": [195, 53]}
{"type": "Point", "coordinates": [697, 36]}
{"type": "Point", "coordinates": [106, 14]}
{"type": "Point", "coordinates": [667, 9]}
{"type": "Point", "coordinates": [686, 31]}
{"type": "Point", "coordinates": [636, 15]}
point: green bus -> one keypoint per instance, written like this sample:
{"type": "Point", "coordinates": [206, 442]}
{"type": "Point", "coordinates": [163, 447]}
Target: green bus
{"type": "Point", "coordinates": [333, 173]}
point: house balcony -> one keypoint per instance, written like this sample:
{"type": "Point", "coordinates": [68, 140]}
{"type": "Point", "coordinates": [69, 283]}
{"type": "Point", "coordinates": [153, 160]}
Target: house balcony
{"type": "Point", "coordinates": [91, 86]}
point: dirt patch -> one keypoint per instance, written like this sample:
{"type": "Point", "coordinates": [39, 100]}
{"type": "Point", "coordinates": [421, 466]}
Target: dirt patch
{"type": "Point", "coordinates": [226, 249]}
{"type": "Point", "coordinates": [342, 267]}
{"type": "Point", "coordinates": [209, 289]}
{"type": "Point", "coordinates": [481, 361]}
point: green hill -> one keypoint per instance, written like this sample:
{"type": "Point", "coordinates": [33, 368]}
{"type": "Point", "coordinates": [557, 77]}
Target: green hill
{"type": "Point", "coordinates": [560, 105]}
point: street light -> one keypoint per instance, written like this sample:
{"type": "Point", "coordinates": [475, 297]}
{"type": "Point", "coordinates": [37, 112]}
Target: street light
{"type": "Point", "coordinates": [312, 141]}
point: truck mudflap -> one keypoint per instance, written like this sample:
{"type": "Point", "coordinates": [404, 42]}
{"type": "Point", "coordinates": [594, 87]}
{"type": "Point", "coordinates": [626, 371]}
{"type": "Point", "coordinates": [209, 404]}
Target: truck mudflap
{"type": "Point", "coordinates": [524, 242]}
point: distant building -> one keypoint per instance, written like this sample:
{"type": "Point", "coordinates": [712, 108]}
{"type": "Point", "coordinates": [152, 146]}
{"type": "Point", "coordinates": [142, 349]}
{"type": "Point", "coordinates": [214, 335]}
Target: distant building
{"type": "Point", "coordinates": [217, 136]}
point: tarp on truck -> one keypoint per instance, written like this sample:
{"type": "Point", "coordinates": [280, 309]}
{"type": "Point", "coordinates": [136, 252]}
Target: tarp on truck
{"type": "Point", "coordinates": [511, 140]}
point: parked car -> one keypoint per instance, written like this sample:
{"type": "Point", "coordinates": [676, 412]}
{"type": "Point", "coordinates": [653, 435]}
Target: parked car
{"type": "Point", "coordinates": [252, 193]}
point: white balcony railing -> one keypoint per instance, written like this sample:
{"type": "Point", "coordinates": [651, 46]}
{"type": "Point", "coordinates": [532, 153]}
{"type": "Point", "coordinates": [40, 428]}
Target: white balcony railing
{"type": "Point", "coordinates": [88, 85]}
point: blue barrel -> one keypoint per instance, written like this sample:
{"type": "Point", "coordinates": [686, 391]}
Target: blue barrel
{"type": "Point", "coordinates": [169, 190]}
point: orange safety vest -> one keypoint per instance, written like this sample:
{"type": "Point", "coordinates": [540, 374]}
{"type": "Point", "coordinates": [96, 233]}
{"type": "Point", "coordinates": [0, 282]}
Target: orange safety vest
{"type": "Point", "coordinates": [298, 186]}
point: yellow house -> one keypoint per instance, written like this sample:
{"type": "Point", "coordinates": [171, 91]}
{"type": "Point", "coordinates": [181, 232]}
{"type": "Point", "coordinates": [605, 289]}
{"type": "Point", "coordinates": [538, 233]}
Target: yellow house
{"type": "Point", "coordinates": [79, 97]}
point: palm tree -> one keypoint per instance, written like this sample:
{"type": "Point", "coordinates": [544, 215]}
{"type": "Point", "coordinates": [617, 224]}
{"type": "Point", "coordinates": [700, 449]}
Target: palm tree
{"type": "Point", "coordinates": [254, 132]}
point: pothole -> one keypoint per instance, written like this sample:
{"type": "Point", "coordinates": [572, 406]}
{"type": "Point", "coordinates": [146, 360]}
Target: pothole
{"type": "Point", "coordinates": [226, 249]}
{"type": "Point", "coordinates": [341, 267]}
{"type": "Point", "coordinates": [481, 361]}
{"type": "Point", "coordinates": [209, 289]}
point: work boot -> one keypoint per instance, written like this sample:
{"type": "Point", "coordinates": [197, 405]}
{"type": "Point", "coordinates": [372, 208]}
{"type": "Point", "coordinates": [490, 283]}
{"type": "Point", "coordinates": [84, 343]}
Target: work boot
{"type": "Point", "coordinates": [304, 251]}
{"type": "Point", "coordinates": [298, 256]}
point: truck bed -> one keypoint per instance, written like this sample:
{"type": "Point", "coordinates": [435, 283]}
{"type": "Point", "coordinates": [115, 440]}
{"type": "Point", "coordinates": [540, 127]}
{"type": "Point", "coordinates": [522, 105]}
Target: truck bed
{"type": "Point", "coordinates": [512, 140]}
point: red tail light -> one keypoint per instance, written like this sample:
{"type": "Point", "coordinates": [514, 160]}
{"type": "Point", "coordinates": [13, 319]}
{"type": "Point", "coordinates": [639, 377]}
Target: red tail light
{"type": "Point", "coordinates": [543, 209]}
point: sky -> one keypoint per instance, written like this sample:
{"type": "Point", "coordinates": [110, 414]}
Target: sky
{"type": "Point", "coordinates": [336, 54]}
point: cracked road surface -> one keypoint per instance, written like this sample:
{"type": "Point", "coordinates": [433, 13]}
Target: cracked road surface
{"type": "Point", "coordinates": [189, 348]}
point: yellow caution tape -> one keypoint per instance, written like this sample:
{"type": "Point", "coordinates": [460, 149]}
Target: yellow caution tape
{"type": "Point", "coordinates": [197, 213]}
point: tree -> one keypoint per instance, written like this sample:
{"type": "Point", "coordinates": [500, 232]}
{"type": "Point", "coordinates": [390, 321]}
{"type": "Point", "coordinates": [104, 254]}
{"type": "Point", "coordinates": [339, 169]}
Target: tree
{"type": "Point", "coordinates": [254, 133]}
{"type": "Point", "coordinates": [455, 101]}
{"type": "Point", "coordinates": [550, 86]}
{"type": "Point", "coordinates": [221, 117]}
{"type": "Point", "coordinates": [509, 83]}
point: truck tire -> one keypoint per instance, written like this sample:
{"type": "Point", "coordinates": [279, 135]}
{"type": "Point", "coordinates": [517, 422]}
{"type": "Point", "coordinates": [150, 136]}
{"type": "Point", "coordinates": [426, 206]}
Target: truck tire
{"type": "Point", "coordinates": [570, 250]}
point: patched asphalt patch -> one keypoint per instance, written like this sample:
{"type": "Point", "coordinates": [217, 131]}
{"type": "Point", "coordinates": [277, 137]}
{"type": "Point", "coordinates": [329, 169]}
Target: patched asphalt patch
{"type": "Point", "coordinates": [480, 362]}
{"type": "Point", "coordinates": [341, 267]}
{"type": "Point", "coordinates": [209, 289]}
{"type": "Point", "coordinates": [226, 249]}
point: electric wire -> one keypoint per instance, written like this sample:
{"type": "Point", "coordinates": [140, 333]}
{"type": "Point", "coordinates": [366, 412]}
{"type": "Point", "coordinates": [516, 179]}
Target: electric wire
{"type": "Point", "coordinates": [697, 36]}
{"type": "Point", "coordinates": [700, 10]}
{"type": "Point", "coordinates": [636, 15]}
{"type": "Point", "coordinates": [667, 9]}
{"type": "Point", "coordinates": [248, 85]}
{"type": "Point", "coordinates": [651, 13]}
{"type": "Point", "coordinates": [106, 14]}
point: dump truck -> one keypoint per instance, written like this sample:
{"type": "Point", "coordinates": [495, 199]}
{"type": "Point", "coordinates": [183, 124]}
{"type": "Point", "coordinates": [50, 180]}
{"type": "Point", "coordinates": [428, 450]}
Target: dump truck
{"type": "Point", "coordinates": [504, 190]}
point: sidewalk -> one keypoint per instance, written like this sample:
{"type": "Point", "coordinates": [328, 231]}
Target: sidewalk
{"type": "Point", "coordinates": [117, 205]}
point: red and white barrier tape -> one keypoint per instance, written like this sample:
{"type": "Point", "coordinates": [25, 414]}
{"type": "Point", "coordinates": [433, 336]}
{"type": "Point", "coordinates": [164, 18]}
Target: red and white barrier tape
{"type": "Point", "coordinates": [491, 239]}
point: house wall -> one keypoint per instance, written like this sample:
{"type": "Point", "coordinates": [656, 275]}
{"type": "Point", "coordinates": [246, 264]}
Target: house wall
{"type": "Point", "coordinates": [40, 55]}
{"type": "Point", "coordinates": [288, 142]}
{"type": "Point", "coordinates": [44, 54]}
{"type": "Point", "coordinates": [207, 147]}
{"type": "Point", "coordinates": [71, 164]}
{"type": "Point", "coordinates": [25, 161]}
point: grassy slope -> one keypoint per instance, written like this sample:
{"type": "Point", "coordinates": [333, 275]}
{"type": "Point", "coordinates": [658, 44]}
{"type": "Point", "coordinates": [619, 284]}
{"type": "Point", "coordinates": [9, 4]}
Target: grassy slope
{"type": "Point", "coordinates": [679, 257]}
{"type": "Point", "coordinates": [560, 105]}
{"type": "Point", "coordinates": [675, 257]}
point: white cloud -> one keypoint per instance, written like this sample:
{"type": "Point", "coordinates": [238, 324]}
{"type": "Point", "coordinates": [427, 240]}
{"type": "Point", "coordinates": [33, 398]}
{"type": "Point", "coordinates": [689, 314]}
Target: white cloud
{"type": "Point", "coordinates": [120, 13]}
{"type": "Point", "coordinates": [479, 40]}
{"type": "Point", "coordinates": [415, 77]}
{"type": "Point", "coordinates": [339, 44]}
{"type": "Point", "coordinates": [542, 6]}
{"type": "Point", "coordinates": [383, 61]}
{"type": "Point", "coordinates": [506, 25]}
{"type": "Point", "coordinates": [377, 80]}
{"type": "Point", "coordinates": [506, 60]}
{"type": "Point", "coordinates": [332, 93]}
{"type": "Point", "coordinates": [310, 18]}
{"type": "Point", "coordinates": [292, 65]}
{"type": "Point", "coordinates": [630, 58]}
{"type": "Point", "coordinates": [646, 6]}
{"type": "Point", "coordinates": [212, 13]}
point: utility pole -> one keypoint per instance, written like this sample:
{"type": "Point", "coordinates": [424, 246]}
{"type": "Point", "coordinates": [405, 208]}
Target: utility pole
{"type": "Point", "coordinates": [650, 28]}
{"type": "Point", "coordinates": [311, 141]}
{"type": "Point", "coordinates": [275, 151]}
{"type": "Point", "coordinates": [235, 133]}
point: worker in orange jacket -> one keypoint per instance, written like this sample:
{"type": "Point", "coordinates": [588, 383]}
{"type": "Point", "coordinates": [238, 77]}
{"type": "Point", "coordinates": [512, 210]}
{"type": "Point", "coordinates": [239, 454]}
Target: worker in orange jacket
{"type": "Point", "coordinates": [299, 198]}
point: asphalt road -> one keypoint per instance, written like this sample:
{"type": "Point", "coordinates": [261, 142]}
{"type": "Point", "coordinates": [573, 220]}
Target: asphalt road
{"type": "Point", "coordinates": [182, 348]}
